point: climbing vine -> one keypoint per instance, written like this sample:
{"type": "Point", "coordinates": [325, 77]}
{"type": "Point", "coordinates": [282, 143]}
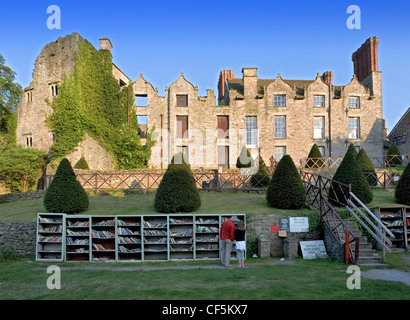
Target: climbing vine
{"type": "Point", "coordinates": [91, 101]}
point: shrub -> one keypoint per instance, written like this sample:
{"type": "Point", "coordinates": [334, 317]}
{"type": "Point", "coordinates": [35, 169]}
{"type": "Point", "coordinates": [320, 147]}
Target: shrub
{"type": "Point", "coordinates": [177, 191]}
{"type": "Point", "coordinates": [286, 190]}
{"type": "Point", "coordinates": [349, 172]}
{"type": "Point", "coordinates": [245, 159]}
{"type": "Point", "coordinates": [261, 178]}
{"type": "Point", "coordinates": [82, 164]}
{"type": "Point", "coordinates": [21, 167]}
{"type": "Point", "coordinates": [65, 194]}
{"type": "Point", "coordinates": [352, 149]}
{"type": "Point", "coordinates": [402, 191]}
{"type": "Point", "coordinates": [315, 158]}
{"type": "Point", "coordinates": [394, 156]}
{"type": "Point", "coordinates": [367, 167]}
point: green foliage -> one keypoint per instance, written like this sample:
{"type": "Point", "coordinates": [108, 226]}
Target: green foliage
{"type": "Point", "coordinates": [82, 164]}
{"type": "Point", "coordinates": [21, 167]}
{"type": "Point", "coordinates": [10, 93]}
{"type": "Point", "coordinates": [352, 149]}
{"type": "Point", "coordinates": [91, 101]}
{"type": "Point", "coordinates": [286, 190]}
{"type": "Point", "coordinates": [65, 194]}
{"type": "Point", "coordinates": [394, 156]}
{"type": "Point", "coordinates": [315, 158]}
{"type": "Point", "coordinates": [402, 191]}
{"type": "Point", "coordinates": [245, 159]}
{"type": "Point", "coordinates": [261, 178]}
{"type": "Point", "coordinates": [177, 191]}
{"type": "Point", "coordinates": [349, 172]}
{"type": "Point", "coordinates": [367, 167]}
{"type": "Point", "coordinates": [7, 254]}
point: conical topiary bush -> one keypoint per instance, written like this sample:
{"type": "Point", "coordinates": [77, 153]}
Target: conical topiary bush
{"type": "Point", "coordinates": [394, 156]}
{"type": "Point", "coordinates": [286, 190]}
{"type": "Point", "coordinates": [261, 178]}
{"type": "Point", "coordinates": [315, 158]}
{"type": "Point", "coordinates": [349, 172]}
{"type": "Point", "coordinates": [177, 191]}
{"type": "Point", "coordinates": [65, 194]}
{"type": "Point", "coordinates": [352, 149]}
{"type": "Point", "coordinates": [82, 164]}
{"type": "Point", "coordinates": [245, 159]}
{"type": "Point", "coordinates": [402, 191]}
{"type": "Point", "coordinates": [367, 167]}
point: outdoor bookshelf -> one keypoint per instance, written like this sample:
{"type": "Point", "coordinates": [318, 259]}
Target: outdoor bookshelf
{"type": "Point", "coordinates": [129, 244]}
{"type": "Point", "coordinates": [103, 238]}
{"type": "Point", "coordinates": [50, 237]}
{"type": "Point", "coordinates": [406, 215]}
{"type": "Point", "coordinates": [77, 238]}
{"type": "Point", "coordinates": [394, 218]}
{"type": "Point", "coordinates": [129, 238]}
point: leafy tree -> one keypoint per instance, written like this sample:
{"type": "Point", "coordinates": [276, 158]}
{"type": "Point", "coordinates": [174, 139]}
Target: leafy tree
{"type": "Point", "coordinates": [367, 167]}
{"type": "Point", "coordinates": [10, 93]}
{"type": "Point", "coordinates": [315, 158]}
{"type": "Point", "coordinates": [394, 156]}
{"type": "Point", "coordinates": [65, 194]}
{"type": "Point", "coordinates": [286, 190]}
{"type": "Point", "coordinates": [245, 159]}
{"type": "Point", "coordinates": [402, 191]}
{"type": "Point", "coordinates": [261, 178]}
{"type": "Point", "coordinates": [21, 167]}
{"type": "Point", "coordinates": [349, 172]}
{"type": "Point", "coordinates": [177, 191]}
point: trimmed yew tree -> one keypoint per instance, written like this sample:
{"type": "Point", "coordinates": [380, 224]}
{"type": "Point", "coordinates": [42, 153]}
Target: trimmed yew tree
{"type": "Point", "coordinates": [315, 158]}
{"type": "Point", "coordinates": [349, 172]}
{"type": "Point", "coordinates": [245, 159]}
{"type": "Point", "coordinates": [402, 191]}
{"type": "Point", "coordinates": [177, 191]}
{"type": "Point", "coordinates": [367, 167]}
{"type": "Point", "coordinates": [394, 156]}
{"type": "Point", "coordinates": [261, 178]}
{"type": "Point", "coordinates": [286, 190]}
{"type": "Point", "coordinates": [65, 194]}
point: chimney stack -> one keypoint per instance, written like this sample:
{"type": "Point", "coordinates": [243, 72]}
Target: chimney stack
{"type": "Point", "coordinates": [105, 44]}
{"type": "Point", "coordinates": [327, 77]}
{"type": "Point", "coordinates": [250, 82]}
{"type": "Point", "coordinates": [365, 59]}
{"type": "Point", "coordinates": [225, 74]}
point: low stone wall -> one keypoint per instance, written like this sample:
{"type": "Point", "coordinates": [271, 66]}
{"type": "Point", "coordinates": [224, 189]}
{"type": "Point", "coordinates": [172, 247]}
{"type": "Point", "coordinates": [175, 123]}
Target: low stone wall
{"type": "Point", "coordinates": [9, 197]}
{"type": "Point", "coordinates": [21, 236]}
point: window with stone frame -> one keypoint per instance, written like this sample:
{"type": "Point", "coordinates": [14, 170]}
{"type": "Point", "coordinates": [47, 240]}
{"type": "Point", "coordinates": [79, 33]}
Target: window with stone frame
{"type": "Point", "coordinates": [182, 127]}
{"type": "Point", "coordinates": [280, 127]}
{"type": "Point", "coordinates": [182, 100]}
{"type": "Point", "coordinates": [318, 127]}
{"type": "Point", "coordinates": [319, 101]}
{"type": "Point", "coordinates": [141, 100]}
{"type": "Point", "coordinates": [279, 100]}
{"type": "Point", "coordinates": [279, 152]}
{"type": "Point", "coordinates": [251, 125]}
{"type": "Point", "coordinates": [222, 127]}
{"type": "Point", "coordinates": [354, 102]}
{"type": "Point", "coordinates": [142, 121]}
{"type": "Point", "coordinates": [354, 128]}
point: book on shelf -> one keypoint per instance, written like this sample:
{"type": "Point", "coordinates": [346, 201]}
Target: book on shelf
{"type": "Point", "coordinates": [102, 234]}
{"type": "Point", "coordinates": [179, 221]}
{"type": "Point", "coordinates": [186, 233]}
{"type": "Point", "coordinates": [49, 220]}
{"type": "Point", "coordinates": [159, 241]}
{"type": "Point", "coordinates": [129, 240]}
{"type": "Point", "coordinates": [99, 247]}
{"type": "Point", "coordinates": [128, 250]}
{"type": "Point", "coordinates": [206, 229]}
{"type": "Point", "coordinates": [180, 241]}
{"type": "Point", "coordinates": [191, 248]}
{"type": "Point", "coordinates": [125, 223]}
{"type": "Point", "coordinates": [77, 233]}
{"type": "Point", "coordinates": [77, 241]}
{"type": "Point", "coordinates": [49, 239]}
{"type": "Point", "coordinates": [122, 231]}
{"type": "Point", "coordinates": [155, 233]}
{"type": "Point", "coordinates": [156, 225]}
{"type": "Point", "coordinates": [56, 229]}
{"type": "Point", "coordinates": [105, 223]}
{"type": "Point", "coordinates": [207, 221]}
{"type": "Point", "coordinates": [207, 239]}
{"type": "Point", "coordinates": [78, 223]}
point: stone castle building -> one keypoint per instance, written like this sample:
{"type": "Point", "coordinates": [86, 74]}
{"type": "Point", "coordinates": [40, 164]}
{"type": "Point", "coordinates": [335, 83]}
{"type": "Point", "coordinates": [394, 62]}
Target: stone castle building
{"type": "Point", "coordinates": [272, 117]}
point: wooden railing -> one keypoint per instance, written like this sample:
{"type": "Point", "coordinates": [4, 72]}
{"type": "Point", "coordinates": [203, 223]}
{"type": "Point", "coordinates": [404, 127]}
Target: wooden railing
{"type": "Point", "coordinates": [386, 161]}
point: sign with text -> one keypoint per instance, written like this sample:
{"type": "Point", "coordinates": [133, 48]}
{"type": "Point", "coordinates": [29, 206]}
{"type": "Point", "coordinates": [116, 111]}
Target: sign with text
{"type": "Point", "coordinates": [313, 249]}
{"type": "Point", "coordinates": [299, 224]}
{"type": "Point", "coordinates": [284, 224]}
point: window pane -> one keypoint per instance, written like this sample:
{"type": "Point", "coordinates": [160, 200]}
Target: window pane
{"type": "Point", "coordinates": [354, 128]}
{"type": "Point", "coordinates": [354, 102]}
{"type": "Point", "coordinates": [182, 100]}
{"type": "Point", "coordinates": [279, 101]}
{"type": "Point", "coordinates": [182, 127]}
{"type": "Point", "coordinates": [280, 127]}
{"type": "Point", "coordinates": [141, 100]}
{"type": "Point", "coordinates": [279, 153]}
{"type": "Point", "coordinates": [223, 126]}
{"type": "Point", "coordinates": [318, 127]}
{"type": "Point", "coordinates": [251, 131]}
{"type": "Point", "coordinates": [319, 101]}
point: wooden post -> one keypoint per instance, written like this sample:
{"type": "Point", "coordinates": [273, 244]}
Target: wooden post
{"type": "Point", "coordinates": [148, 183]}
{"type": "Point", "coordinates": [234, 180]}
{"type": "Point", "coordinates": [347, 251]}
{"type": "Point", "coordinates": [356, 254]}
{"type": "Point", "coordinates": [96, 183]}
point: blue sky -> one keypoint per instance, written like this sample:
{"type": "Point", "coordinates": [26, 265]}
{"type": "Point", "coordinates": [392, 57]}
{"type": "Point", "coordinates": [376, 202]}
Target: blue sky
{"type": "Point", "coordinates": [161, 39]}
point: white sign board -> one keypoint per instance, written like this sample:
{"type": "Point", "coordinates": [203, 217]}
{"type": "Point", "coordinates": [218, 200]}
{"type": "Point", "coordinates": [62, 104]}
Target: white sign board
{"type": "Point", "coordinates": [313, 249]}
{"type": "Point", "coordinates": [299, 224]}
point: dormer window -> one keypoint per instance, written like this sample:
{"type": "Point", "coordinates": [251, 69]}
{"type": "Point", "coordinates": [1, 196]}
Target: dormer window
{"type": "Point", "coordinates": [182, 100]}
{"type": "Point", "coordinates": [279, 100]}
{"type": "Point", "coordinates": [354, 102]}
{"type": "Point", "coordinates": [319, 101]}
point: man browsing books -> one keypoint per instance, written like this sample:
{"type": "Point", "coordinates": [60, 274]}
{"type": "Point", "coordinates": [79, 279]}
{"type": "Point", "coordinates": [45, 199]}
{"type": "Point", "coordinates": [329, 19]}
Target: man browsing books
{"type": "Point", "coordinates": [227, 236]}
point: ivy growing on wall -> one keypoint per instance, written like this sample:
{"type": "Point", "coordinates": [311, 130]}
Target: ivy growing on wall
{"type": "Point", "coordinates": [91, 101]}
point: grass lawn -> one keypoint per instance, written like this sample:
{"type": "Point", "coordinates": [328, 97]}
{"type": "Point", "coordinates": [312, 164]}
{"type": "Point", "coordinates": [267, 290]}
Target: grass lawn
{"type": "Point", "coordinates": [212, 202]}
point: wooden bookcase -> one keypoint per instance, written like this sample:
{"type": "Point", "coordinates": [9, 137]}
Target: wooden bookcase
{"type": "Point", "coordinates": [394, 218]}
{"type": "Point", "coordinates": [78, 242]}
{"type": "Point", "coordinates": [103, 238]}
{"type": "Point", "coordinates": [129, 238]}
{"type": "Point", "coordinates": [50, 237]}
{"type": "Point", "coordinates": [406, 215]}
{"type": "Point", "coordinates": [129, 243]}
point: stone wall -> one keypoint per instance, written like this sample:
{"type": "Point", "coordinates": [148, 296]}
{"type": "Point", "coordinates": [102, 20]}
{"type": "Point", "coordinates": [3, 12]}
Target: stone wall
{"type": "Point", "coordinates": [31, 195]}
{"type": "Point", "coordinates": [21, 236]}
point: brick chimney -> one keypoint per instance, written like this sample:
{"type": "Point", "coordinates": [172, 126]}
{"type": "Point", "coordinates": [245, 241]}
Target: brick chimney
{"type": "Point", "coordinates": [224, 74]}
{"type": "Point", "coordinates": [365, 59]}
{"type": "Point", "coordinates": [250, 82]}
{"type": "Point", "coordinates": [105, 44]}
{"type": "Point", "coordinates": [327, 77]}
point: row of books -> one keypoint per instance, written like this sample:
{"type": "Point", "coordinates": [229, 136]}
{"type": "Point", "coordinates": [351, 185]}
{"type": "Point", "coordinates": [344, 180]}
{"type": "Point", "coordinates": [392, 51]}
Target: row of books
{"type": "Point", "coordinates": [213, 221]}
{"type": "Point", "coordinates": [52, 229]}
{"type": "Point", "coordinates": [77, 233]}
{"type": "Point", "coordinates": [159, 241]}
{"type": "Point", "coordinates": [172, 240]}
{"type": "Point", "coordinates": [179, 221]}
{"type": "Point", "coordinates": [206, 229]}
{"type": "Point", "coordinates": [49, 239]}
{"type": "Point", "coordinates": [156, 225]}
{"type": "Point", "coordinates": [77, 241]}
{"type": "Point", "coordinates": [127, 231]}
{"type": "Point", "coordinates": [208, 239]}
{"type": "Point", "coordinates": [123, 223]}
{"type": "Point", "coordinates": [102, 234]}
{"type": "Point", "coordinates": [155, 233]}
{"type": "Point", "coordinates": [128, 250]}
{"type": "Point", "coordinates": [99, 247]}
{"type": "Point", "coordinates": [49, 220]}
{"type": "Point", "coordinates": [186, 233]}
{"type": "Point", "coordinates": [105, 223]}
{"type": "Point", "coordinates": [129, 240]}
{"type": "Point", "coordinates": [78, 223]}
{"type": "Point", "coordinates": [191, 248]}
